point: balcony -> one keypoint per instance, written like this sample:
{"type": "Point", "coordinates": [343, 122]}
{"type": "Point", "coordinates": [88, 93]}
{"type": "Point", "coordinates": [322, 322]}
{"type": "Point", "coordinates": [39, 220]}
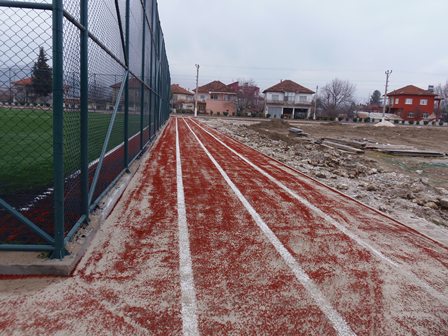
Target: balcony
{"type": "Point", "coordinates": [287, 102]}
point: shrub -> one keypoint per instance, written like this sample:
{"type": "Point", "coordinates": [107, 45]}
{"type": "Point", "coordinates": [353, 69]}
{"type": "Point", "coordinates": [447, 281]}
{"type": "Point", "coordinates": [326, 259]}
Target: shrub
{"type": "Point", "coordinates": [426, 122]}
{"type": "Point", "coordinates": [417, 122]}
{"type": "Point", "coordinates": [411, 122]}
{"type": "Point", "coordinates": [367, 120]}
{"type": "Point", "coordinates": [340, 118]}
{"type": "Point", "coordinates": [403, 122]}
{"type": "Point", "coordinates": [268, 115]}
{"type": "Point", "coordinates": [396, 121]}
{"type": "Point", "coordinates": [225, 114]}
{"type": "Point", "coordinates": [441, 123]}
{"type": "Point", "coordinates": [355, 119]}
{"type": "Point", "coordinates": [433, 123]}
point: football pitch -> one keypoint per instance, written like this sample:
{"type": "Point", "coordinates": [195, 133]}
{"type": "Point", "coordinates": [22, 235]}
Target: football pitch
{"type": "Point", "coordinates": [26, 145]}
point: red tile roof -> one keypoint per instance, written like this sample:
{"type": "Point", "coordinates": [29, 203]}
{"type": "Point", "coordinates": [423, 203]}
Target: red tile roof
{"type": "Point", "coordinates": [288, 86]}
{"type": "Point", "coordinates": [412, 91]}
{"type": "Point", "coordinates": [215, 86]}
{"type": "Point", "coordinates": [24, 81]}
{"type": "Point", "coordinates": [177, 89]}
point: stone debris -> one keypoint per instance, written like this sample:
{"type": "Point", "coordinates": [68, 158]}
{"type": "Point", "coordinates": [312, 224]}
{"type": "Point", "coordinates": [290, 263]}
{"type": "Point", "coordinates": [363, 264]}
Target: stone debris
{"type": "Point", "coordinates": [405, 197]}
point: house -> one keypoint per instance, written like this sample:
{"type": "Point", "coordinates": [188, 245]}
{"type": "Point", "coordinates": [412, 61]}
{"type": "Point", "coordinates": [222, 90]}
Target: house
{"type": "Point", "coordinates": [22, 91]}
{"type": "Point", "coordinates": [413, 103]}
{"type": "Point", "coordinates": [216, 98]}
{"type": "Point", "coordinates": [288, 99]}
{"type": "Point", "coordinates": [134, 85]}
{"type": "Point", "coordinates": [181, 99]}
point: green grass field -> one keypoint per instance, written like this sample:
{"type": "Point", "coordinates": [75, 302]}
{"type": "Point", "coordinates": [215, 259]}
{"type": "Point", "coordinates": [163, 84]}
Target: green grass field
{"type": "Point", "coordinates": [26, 145]}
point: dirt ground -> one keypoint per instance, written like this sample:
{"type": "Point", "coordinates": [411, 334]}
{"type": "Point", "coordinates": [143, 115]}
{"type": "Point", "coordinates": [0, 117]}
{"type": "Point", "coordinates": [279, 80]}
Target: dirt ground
{"type": "Point", "coordinates": [413, 190]}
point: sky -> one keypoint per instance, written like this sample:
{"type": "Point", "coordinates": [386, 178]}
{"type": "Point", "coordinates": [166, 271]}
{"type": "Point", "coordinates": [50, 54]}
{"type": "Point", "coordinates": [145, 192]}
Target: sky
{"type": "Point", "coordinates": [308, 41]}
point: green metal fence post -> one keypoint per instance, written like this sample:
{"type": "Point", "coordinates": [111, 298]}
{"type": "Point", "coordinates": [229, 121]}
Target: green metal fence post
{"type": "Point", "coordinates": [84, 78]}
{"type": "Point", "coordinates": [126, 93]}
{"type": "Point", "coordinates": [142, 89]}
{"type": "Point", "coordinates": [58, 129]}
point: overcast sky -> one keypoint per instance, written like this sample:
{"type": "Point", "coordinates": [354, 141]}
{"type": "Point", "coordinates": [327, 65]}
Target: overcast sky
{"type": "Point", "coordinates": [308, 41]}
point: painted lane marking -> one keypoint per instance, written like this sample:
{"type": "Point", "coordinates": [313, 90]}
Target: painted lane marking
{"type": "Point", "coordinates": [338, 322]}
{"type": "Point", "coordinates": [409, 275]}
{"type": "Point", "coordinates": [189, 306]}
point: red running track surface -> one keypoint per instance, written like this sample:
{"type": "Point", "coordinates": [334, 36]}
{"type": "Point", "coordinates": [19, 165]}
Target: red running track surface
{"type": "Point", "coordinates": [213, 237]}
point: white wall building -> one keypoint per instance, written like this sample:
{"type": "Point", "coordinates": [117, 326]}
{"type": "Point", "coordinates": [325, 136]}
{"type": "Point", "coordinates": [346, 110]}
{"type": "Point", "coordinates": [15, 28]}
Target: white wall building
{"type": "Point", "coordinates": [288, 99]}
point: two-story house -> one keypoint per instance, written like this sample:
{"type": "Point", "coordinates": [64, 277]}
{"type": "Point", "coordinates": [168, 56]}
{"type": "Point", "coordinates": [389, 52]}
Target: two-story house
{"type": "Point", "coordinates": [216, 98]}
{"type": "Point", "coordinates": [412, 103]}
{"type": "Point", "coordinates": [23, 90]}
{"type": "Point", "coordinates": [181, 99]}
{"type": "Point", "coordinates": [289, 100]}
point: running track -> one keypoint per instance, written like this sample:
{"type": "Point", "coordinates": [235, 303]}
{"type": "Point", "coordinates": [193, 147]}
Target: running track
{"type": "Point", "coordinates": [214, 238]}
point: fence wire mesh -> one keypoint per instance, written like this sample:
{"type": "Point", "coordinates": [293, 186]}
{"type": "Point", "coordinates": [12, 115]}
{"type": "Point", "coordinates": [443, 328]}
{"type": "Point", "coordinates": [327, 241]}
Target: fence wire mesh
{"type": "Point", "coordinates": [125, 97]}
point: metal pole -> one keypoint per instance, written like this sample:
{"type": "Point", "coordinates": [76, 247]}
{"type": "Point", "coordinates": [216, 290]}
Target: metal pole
{"type": "Point", "coordinates": [10, 85]}
{"type": "Point", "coordinates": [58, 129]}
{"type": "Point", "coordinates": [388, 72]}
{"type": "Point", "coordinates": [196, 92]}
{"type": "Point", "coordinates": [126, 93]}
{"type": "Point", "coordinates": [84, 78]}
{"type": "Point", "coordinates": [142, 89]}
{"type": "Point", "coordinates": [315, 103]}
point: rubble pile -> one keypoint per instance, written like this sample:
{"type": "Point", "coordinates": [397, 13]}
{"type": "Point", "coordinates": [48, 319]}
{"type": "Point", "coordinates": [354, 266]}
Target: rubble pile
{"type": "Point", "coordinates": [405, 197]}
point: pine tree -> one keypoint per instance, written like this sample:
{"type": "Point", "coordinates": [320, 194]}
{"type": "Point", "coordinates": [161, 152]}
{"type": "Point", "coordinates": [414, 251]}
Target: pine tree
{"type": "Point", "coordinates": [41, 76]}
{"type": "Point", "coordinates": [375, 99]}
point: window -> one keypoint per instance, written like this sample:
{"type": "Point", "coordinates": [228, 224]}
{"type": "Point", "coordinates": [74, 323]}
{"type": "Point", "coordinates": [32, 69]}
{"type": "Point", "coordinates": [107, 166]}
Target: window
{"type": "Point", "coordinates": [303, 99]}
{"type": "Point", "coordinates": [411, 115]}
{"type": "Point", "coordinates": [423, 101]}
{"type": "Point", "coordinates": [289, 96]}
{"type": "Point", "coordinates": [214, 96]}
{"type": "Point", "coordinates": [408, 101]}
{"type": "Point", "coordinates": [275, 97]}
{"type": "Point", "coordinates": [397, 100]}
{"type": "Point", "coordinates": [425, 115]}
{"type": "Point", "coordinates": [202, 97]}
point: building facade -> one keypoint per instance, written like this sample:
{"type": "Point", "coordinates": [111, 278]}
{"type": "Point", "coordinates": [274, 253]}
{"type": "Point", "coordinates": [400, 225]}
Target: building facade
{"type": "Point", "coordinates": [216, 98]}
{"type": "Point", "coordinates": [288, 100]}
{"type": "Point", "coordinates": [182, 100]}
{"type": "Point", "coordinates": [413, 103]}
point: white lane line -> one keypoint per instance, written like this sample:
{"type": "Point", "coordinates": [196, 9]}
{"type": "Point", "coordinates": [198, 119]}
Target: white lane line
{"type": "Point", "coordinates": [338, 322]}
{"type": "Point", "coordinates": [409, 275]}
{"type": "Point", "coordinates": [189, 306]}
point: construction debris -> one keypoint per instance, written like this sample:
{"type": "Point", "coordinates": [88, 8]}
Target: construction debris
{"type": "Point", "coordinates": [298, 132]}
{"type": "Point", "coordinates": [345, 148]}
{"type": "Point", "coordinates": [407, 187]}
{"type": "Point", "coordinates": [411, 152]}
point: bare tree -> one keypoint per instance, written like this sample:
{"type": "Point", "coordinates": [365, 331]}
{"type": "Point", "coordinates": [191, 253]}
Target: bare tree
{"type": "Point", "coordinates": [248, 97]}
{"type": "Point", "coordinates": [442, 91]}
{"type": "Point", "coordinates": [337, 97]}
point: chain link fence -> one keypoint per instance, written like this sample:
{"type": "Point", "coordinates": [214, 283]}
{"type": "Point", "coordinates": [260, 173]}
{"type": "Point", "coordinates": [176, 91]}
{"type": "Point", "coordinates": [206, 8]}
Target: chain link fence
{"type": "Point", "coordinates": [84, 88]}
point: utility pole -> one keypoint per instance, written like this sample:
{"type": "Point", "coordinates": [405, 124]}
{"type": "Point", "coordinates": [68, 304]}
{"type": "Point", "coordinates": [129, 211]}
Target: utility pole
{"type": "Point", "coordinates": [315, 102]}
{"type": "Point", "coordinates": [388, 73]}
{"type": "Point", "coordinates": [196, 92]}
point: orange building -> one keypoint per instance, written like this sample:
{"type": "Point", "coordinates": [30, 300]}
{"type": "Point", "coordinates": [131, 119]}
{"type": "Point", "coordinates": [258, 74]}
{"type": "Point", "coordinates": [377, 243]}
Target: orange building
{"type": "Point", "coordinates": [216, 98]}
{"type": "Point", "coordinates": [413, 103]}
